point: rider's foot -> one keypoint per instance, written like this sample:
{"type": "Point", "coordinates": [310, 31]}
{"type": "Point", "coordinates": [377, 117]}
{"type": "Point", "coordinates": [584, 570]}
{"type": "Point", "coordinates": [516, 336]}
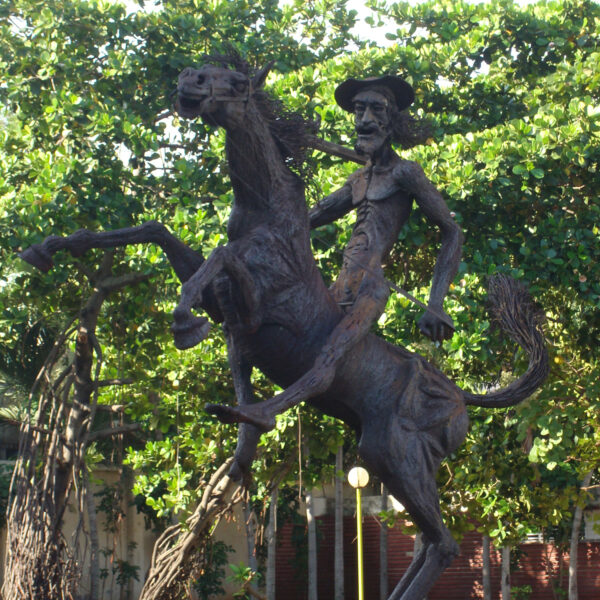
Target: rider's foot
{"type": "Point", "coordinates": [37, 256]}
{"type": "Point", "coordinates": [188, 331]}
{"type": "Point", "coordinates": [251, 413]}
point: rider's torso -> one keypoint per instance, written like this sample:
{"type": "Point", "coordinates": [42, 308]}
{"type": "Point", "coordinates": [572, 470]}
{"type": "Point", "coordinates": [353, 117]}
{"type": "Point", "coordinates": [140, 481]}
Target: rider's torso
{"type": "Point", "coordinates": [380, 215]}
{"type": "Point", "coordinates": [381, 212]}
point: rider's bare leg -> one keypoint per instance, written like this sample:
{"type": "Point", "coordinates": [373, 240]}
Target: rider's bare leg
{"type": "Point", "coordinates": [370, 303]}
{"type": "Point", "coordinates": [189, 330]}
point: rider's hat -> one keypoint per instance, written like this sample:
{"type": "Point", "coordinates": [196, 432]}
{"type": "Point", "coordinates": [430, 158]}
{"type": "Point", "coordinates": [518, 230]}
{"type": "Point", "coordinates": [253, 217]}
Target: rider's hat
{"type": "Point", "coordinates": [402, 91]}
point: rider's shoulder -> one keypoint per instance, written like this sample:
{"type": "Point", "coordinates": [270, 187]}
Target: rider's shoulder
{"type": "Point", "coordinates": [407, 169]}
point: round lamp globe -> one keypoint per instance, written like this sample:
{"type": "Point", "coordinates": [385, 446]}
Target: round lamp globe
{"type": "Point", "coordinates": [358, 477]}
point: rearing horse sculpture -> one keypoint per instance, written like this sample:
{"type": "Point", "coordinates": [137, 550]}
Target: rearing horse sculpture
{"type": "Point", "coordinates": [277, 312]}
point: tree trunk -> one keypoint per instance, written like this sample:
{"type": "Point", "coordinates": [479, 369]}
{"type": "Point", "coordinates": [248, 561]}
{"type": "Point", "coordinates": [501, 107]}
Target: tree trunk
{"type": "Point", "coordinates": [383, 549]}
{"type": "Point", "coordinates": [577, 517]}
{"type": "Point", "coordinates": [505, 580]}
{"type": "Point", "coordinates": [272, 545]}
{"type": "Point", "coordinates": [250, 536]}
{"type": "Point", "coordinates": [94, 539]}
{"type": "Point", "coordinates": [39, 563]}
{"type": "Point", "coordinates": [312, 547]}
{"type": "Point", "coordinates": [172, 559]}
{"type": "Point", "coordinates": [486, 570]}
{"type": "Point", "coordinates": [339, 526]}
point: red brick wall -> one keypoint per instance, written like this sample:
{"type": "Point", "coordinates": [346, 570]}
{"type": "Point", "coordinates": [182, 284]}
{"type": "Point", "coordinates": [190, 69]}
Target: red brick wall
{"type": "Point", "coordinates": [461, 581]}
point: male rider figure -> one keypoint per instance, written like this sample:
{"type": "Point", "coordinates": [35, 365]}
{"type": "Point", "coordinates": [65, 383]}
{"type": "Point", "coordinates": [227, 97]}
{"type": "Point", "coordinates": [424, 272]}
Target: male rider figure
{"type": "Point", "coordinates": [382, 193]}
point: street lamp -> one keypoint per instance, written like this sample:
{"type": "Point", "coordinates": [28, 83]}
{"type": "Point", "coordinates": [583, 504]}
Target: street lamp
{"type": "Point", "coordinates": [358, 478]}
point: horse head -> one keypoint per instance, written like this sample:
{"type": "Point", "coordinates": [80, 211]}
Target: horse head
{"type": "Point", "coordinates": [218, 95]}
{"type": "Point", "coordinates": [265, 143]}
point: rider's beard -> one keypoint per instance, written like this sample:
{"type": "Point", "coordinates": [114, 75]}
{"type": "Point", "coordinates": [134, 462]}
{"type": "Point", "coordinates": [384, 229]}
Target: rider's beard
{"type": "Point", "coordinates": [372, 144]}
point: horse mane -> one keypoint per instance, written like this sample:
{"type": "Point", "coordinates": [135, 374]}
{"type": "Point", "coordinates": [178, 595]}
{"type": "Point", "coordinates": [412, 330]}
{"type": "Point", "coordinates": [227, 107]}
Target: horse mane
{"type": "Point", "coordinates": [289, 128]}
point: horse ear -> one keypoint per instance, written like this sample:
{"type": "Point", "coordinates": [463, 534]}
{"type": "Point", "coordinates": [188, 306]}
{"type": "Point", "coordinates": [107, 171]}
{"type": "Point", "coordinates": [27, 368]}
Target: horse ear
{"type": "Point", "coordinates": [259, 79]}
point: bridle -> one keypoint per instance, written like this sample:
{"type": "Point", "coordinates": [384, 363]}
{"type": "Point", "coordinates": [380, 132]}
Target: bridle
{"type": "Point", "coordinates": [212, 97]}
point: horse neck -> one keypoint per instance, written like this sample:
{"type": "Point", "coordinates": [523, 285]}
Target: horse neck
{"type": "Point", "coordinates": [260, 178]}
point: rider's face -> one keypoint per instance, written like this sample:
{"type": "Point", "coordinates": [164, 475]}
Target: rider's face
{"type": "Point", "coordinates": [372, 121]}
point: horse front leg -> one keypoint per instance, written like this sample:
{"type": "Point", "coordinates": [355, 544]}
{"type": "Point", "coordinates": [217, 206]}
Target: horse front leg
{"type": "Point", "coordinates": [184, 260]}
{"type": "Point", "coordinates": [248, 435]}
{"type": "Point", "coordinates": [189, 330]}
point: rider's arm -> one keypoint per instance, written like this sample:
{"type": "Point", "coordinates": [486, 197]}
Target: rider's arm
{"type": "Point", "coordinates": [332, 207]}
{"type": "Point", "coordinates": [412, 178]}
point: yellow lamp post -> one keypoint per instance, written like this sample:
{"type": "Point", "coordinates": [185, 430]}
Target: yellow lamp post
{"type": "Point", "coordinates": [358, 479]}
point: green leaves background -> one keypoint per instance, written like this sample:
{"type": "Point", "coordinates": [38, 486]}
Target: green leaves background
{"type": "Point", "coordinates": [87, 139]}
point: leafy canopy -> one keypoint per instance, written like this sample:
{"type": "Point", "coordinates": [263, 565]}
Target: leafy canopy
{"type": "Point", "coordinates": [88, 139]}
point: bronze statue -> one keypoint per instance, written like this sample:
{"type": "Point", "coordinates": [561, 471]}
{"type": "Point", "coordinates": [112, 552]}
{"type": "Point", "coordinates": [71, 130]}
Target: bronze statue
{"type": "Point", "coordinates": [279, 315]}
{"type": "Point", "coordinates": [382, 193]}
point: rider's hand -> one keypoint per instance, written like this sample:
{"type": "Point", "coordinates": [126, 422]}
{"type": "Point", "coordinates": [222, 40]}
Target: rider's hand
{"type": "Point", "coordinates": [434, 327]}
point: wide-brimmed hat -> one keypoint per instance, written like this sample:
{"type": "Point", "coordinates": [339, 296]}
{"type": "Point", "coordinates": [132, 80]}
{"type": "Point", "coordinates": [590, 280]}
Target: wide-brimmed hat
{"type": "Point", "coordinates": [402, 91]}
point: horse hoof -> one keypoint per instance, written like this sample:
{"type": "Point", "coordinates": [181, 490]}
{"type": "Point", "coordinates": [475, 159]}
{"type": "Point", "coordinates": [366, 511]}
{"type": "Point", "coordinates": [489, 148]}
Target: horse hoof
{"type": "Point", "coordinates": [38, 257]}
{"type": "Point", "coordinates": [235, 472]}
{"type": "Point", "coordinates": [225, 414]}
{"type": "Point", "coordinates": [190, 333]}
{"type": "Point", "coordinates": [235, 414]}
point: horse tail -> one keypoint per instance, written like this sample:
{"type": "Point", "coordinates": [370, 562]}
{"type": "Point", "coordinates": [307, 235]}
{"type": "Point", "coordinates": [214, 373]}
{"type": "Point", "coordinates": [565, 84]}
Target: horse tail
{"type": "Point", "coordinates": [513, 308]}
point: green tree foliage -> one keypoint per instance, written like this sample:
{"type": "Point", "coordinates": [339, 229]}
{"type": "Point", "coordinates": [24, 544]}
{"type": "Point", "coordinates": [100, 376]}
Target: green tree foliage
{"type": "Point", "coordinates": [88, 140]}
{"type": "Point", "coordinates": [514, 94]}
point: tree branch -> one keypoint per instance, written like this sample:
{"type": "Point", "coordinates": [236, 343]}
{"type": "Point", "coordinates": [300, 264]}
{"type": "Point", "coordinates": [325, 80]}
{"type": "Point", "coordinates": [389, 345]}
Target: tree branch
{"type": "Point", "coordinates": [111, 284]}
{"type": "Point", "coordinates": [18, 423]}
{"type": "Point", "coordinates": [163, 115]}
{"type": "Point", "coordinates": [117, 381]}
{"type": "Point", "coordinates": [110, 431]}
